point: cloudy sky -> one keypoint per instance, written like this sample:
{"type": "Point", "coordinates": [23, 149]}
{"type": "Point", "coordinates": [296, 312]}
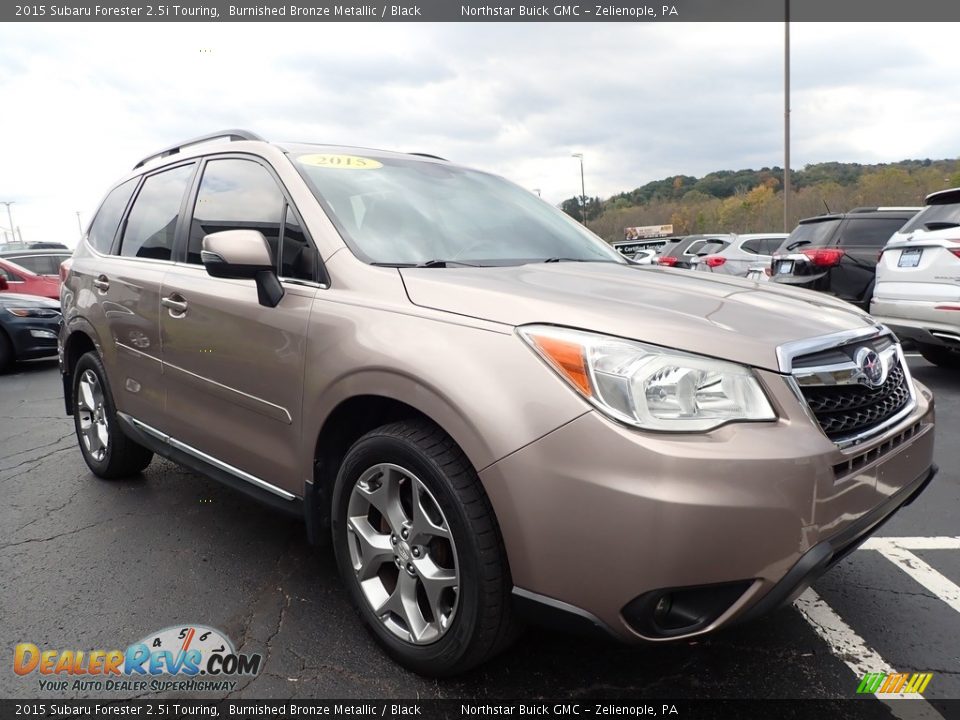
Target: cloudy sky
{"type": "Point", "coordinates": [81, 103]}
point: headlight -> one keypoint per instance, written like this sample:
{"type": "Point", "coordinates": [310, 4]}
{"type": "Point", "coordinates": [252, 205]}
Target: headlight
{"type": "Point", "coordinates": [33, 312]}
{"type": "Point", "coordinates": [651, 387]}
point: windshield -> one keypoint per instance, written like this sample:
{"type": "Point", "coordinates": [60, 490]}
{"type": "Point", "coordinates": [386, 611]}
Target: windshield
{"type": "Point", "coordinates": [395, 211]}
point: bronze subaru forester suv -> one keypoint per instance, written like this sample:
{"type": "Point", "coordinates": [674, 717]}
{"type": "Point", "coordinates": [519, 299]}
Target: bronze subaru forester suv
{"type": "Point", "coordinates": [488, 411]}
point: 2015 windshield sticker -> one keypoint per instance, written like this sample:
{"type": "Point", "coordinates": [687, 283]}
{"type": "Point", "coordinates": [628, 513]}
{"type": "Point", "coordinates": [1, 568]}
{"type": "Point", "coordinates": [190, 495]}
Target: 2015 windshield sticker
{"type": "Point", "coordinates": [179, 658]}
{"type": "Point", "coordinates": [340, 162]}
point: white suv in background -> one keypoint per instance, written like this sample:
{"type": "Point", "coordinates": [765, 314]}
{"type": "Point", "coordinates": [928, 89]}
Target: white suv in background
{"type": "Point", "coordinates": [743, 254]}
{"type": "Point", "coordinates": [917, 293]}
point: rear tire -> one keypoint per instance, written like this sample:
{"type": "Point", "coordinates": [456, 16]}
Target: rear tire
{"type": "Point", "coordinates": [428, 574]}
{"type": "Point", "coordinates": [107, 451]}
{"type": "Point", "coordinates": [940, 356]}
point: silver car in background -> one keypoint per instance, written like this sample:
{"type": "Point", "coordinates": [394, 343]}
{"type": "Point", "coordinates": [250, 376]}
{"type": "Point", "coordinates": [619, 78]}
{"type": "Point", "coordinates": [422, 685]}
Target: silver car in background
{"type": "Point", "coordinates": [746, 255]}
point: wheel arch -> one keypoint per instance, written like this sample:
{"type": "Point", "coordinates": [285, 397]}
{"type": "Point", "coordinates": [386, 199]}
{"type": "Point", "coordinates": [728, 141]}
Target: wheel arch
{"type": "Point", "coordinates": [80, 340]}
{"type": "Point", "coordinates": [352, 417]}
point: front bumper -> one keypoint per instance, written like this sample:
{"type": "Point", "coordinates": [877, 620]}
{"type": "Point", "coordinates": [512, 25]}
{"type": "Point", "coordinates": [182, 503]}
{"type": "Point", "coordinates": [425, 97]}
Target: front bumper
{"type": "Point", "coordinates": [600, 520]}
{"type": "Point", "coordinates": [920, 321]}
{"type": "Point", "coordinates": [33, 337]}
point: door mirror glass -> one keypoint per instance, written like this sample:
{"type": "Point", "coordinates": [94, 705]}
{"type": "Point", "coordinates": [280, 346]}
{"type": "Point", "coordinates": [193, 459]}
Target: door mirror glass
{"type": "Point", "coordinates": [243, 255]}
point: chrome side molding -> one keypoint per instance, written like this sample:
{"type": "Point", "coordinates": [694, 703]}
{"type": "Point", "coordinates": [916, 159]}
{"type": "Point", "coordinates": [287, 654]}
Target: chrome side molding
{"type": "Point", "coordinates": [209, 459]}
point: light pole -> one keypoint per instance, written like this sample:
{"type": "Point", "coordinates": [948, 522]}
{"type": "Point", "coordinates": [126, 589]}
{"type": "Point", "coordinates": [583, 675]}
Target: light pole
{"type": "Point", "coordinates": [583, 191]}
{"type": "Point", "coordinates": [786, 117]}
{"type": "Point", "coordinates": [9, 217]}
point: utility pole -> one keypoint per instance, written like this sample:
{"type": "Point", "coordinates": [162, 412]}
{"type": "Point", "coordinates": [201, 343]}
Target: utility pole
{"type": "Point", "coordinates": [786, 118]}
{"type": "Point", "coordinates": [10, 217]}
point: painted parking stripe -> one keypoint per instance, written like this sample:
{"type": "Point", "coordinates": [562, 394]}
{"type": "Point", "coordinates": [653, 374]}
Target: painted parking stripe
{"type": "Point", "coordinates": [897, 551]}
{"type": "Point", "coordinates": [846, 644]}
{"type": "Point", "coordinates": [913, 543]}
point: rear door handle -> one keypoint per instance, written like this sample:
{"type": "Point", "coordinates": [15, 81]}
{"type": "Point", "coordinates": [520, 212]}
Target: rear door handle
{"type": "Point", "coordinates": [176, 304]}
{"type": "Point", "coordinates": [101, 283]}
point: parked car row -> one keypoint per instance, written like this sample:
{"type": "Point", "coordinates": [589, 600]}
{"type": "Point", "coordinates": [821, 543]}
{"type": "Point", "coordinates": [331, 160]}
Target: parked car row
{"type": "Point", "coordinates": [29, 302]}
{"type": "Point", "coordinates": [837, 253]}
{"type": "Point", "coordinates": [901, 264]}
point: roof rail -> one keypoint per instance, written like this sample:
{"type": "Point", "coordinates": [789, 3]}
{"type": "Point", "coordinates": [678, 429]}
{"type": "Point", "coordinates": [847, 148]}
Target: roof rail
{"type": "Point", "coordinates": [428, 155]}
{"type": "Point", "coordinates": [174, 149]}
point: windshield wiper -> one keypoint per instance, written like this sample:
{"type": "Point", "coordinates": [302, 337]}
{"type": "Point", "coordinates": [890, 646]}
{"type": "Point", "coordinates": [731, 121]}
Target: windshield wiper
{"type": "Point", "coordinates": [445, 263]}
{"type": "Point", "coordinates": [426, 264]}
{"type": "Point", "coordinates": [564, 259]}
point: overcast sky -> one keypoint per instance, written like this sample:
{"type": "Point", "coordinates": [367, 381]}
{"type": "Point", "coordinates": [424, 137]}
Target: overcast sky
{"type": "Point", "coordinates": [81, 103]}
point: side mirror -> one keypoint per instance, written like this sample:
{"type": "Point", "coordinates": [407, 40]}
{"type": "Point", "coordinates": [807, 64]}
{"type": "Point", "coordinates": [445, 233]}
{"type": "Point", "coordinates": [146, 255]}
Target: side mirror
{"type": "Point", "coordinates": [3, 284]}
{"type": "Point", "coordinates": [243, 255]}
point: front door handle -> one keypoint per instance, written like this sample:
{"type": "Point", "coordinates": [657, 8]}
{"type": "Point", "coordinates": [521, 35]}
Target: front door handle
{"type": "Point", "coordinates": [101, 283]}
{"type": "Point", "coordinates": [176, 303]}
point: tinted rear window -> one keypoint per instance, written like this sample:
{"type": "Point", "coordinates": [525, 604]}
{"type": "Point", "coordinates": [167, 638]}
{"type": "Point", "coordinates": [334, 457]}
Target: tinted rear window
{"type": "Point", "coordinates": [871, 232]}
{"type": "Point", "coordinates": [812, 234]}
{"type": "Point", "coordinates": [934, 214]}
{"type": "Point", "coordinates": [152, 222]}
{"type": "Point", "coordinates": [105, 225]}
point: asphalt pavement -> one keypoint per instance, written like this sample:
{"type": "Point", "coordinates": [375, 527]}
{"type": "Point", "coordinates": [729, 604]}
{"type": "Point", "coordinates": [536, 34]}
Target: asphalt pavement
{"type": "Point", "coordinates": [87, 563]}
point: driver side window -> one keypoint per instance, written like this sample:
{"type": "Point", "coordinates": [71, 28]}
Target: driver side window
{"type": "Point", "coordinates": [240, 194]}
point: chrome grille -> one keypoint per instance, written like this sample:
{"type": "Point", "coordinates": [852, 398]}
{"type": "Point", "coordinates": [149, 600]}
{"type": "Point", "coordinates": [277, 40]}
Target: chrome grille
{"type": "Point", "coordinates": [834, 375]}
{"type": "Point", "coordinates": [844, 410]}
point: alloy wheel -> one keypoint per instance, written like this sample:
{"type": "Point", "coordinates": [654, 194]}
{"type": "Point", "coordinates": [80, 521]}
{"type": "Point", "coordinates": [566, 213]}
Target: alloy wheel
{"type": "Point", "coordinates": [94, 427]}
{"type": "Point", "coordinates": [403, 554]}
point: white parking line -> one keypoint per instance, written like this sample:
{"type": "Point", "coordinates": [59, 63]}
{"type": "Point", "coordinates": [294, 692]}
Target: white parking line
{"type": "Point", "coordinates": [913, 543]}
{"type": "Point", "coordinates": [897, 551]}
{"type": "Point", "coordinates": [847, 645]}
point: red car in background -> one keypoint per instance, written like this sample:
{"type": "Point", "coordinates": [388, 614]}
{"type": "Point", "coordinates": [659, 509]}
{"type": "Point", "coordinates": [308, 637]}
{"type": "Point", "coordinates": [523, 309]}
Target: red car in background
{"type": "Point", "coordinates": [26, 282]}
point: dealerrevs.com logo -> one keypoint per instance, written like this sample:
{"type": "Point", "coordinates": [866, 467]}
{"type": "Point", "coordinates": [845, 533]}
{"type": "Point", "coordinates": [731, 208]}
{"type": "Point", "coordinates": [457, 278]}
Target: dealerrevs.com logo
{"type": "Point", "coordinates": [179, 658]}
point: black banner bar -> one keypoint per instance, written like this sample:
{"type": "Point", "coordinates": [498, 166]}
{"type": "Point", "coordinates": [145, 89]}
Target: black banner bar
{"type": "Point", "coordinates": [480, 11]}
{"type": "Point", "coordinates": [866, 708]}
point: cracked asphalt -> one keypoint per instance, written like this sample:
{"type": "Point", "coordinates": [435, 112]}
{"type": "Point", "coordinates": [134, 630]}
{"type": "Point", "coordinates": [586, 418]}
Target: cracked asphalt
{"type": "Point", "coordinates": [92, 564]}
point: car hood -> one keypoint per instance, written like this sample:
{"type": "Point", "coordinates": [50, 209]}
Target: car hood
{"type": "Point", "coordinates": [725, 317]}
{"type": "Point", "coordinates": [9, 299]}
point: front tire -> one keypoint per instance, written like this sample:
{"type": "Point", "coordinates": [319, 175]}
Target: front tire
{"type": "Point", "coordinates": [107, 451]}
{"type": "Point", "coordinates": [420, 551]}
{"type": "Point", "coordinates": [940, 356]}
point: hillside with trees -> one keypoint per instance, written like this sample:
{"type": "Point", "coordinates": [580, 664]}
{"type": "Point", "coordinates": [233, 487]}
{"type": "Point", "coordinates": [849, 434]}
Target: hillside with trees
{"type": "Point", "coordinates": [752, 200]}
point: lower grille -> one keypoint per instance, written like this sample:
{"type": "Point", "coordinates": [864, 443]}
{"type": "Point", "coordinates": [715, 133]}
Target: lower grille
{"type": "Point", "coordinates": [844, 410]}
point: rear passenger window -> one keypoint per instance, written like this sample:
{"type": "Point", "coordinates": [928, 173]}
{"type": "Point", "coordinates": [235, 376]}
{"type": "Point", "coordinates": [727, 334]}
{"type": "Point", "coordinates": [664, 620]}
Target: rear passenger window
{"type": "Point", "coordinates": [872, 232]}
{"type": "Point", "coordinates": [152, 222]}
{"type": "Point", "coordinates": [105, 224]}
{"type": "Point", "coordinates": [236, 195]}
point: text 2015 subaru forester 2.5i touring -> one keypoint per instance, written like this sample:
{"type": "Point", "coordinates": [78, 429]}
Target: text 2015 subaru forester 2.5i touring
{"type": "Point", "coordinates": [486, 409]}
